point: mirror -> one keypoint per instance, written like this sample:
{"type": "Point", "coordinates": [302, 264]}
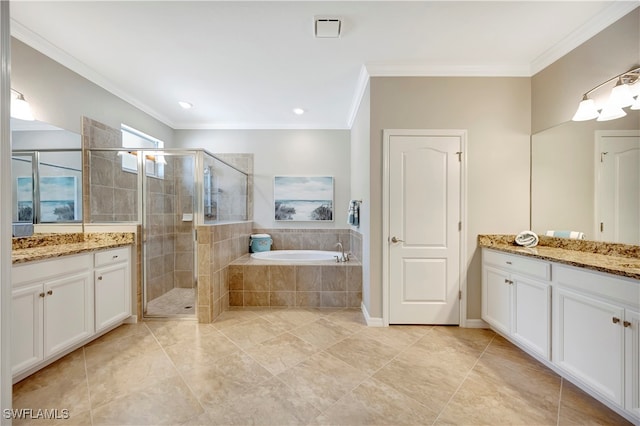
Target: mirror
{"type": "Point", "coordinates": [46, 165]}
{"type": "Point", "coordinates": [585, 176]}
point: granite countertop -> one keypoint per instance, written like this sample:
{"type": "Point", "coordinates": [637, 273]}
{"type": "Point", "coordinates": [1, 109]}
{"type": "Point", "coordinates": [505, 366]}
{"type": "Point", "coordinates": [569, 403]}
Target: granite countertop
{"type": "Point", "coordinates": [612, 258]}
{"type": "Point", "coordinates": [47, 246]}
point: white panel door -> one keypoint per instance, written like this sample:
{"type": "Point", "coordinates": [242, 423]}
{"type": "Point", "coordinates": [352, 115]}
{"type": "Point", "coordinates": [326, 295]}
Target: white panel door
{"type": "Point", "coordinates": [618, 186]}
{"type": "Point", "coordinates": [424, 236]}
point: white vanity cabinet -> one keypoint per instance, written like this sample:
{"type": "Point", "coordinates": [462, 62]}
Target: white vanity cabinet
{"type": "Point", "coordinates": [52, 308]}
{"type": "Point", "coordinates": [516, 299]}
{"type": "Point", "coordinates": [62, 303]}
{"type": "Point", "coordinates": [596, 332]}
{"type": "Point", "coordinates": [112, 278]}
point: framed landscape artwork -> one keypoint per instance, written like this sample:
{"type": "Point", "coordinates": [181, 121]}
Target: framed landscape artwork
{"type": "Point", "coordinates": [58, 199]}
{"type": "Point", "coordinates": [303, 198]}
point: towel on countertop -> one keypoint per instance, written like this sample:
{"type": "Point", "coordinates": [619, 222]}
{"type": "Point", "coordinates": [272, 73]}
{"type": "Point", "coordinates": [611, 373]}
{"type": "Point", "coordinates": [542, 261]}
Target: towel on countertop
{"type": "Point", "coordinates": [566, 234]}
{"type": "Point", "coordinates": [354, 213]}
{"type": "Point", "coordinates": [527, 239]}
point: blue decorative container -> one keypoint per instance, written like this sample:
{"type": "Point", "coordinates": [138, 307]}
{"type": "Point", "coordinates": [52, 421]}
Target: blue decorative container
{"type": "Point", "coordinates": [260, 242]}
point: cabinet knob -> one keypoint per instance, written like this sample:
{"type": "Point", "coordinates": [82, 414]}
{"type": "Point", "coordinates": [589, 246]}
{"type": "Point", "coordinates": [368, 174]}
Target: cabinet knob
{"type": "Point", "coordinates": [627, 323]}
{"type": "Point", "coordinates": [506, 281]}
{"type": "Point", "coordinates": [115, 256]}
{"type": "Point", "coordinates": [41, 295]}
{"type": "Point", "coordinates": [615, 320]}
{"type": "Point", "coordinates": [509, 263]}
{"type": "Point", "coordinates": [50, 292]}
{"type": "Point", "coordinates": [100, 278]}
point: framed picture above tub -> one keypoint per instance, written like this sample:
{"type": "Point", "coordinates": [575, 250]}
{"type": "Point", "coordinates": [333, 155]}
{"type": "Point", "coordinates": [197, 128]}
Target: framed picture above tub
{"type": "Point", "coordinates": [303, 198]}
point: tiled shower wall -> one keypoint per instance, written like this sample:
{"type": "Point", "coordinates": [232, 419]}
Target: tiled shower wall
{"type": "Point", "coordinates": [218, 246]}
{"type": "Point", "coordinates": [112, 195]}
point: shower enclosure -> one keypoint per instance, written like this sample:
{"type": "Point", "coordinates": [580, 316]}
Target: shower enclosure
{"type": "Point", "coordinates": [177, 191]}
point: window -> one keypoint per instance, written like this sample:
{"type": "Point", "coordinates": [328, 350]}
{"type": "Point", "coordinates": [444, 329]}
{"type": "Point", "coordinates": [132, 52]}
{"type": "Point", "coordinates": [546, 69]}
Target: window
{"type": "Point", "coordinates": [137, 141]}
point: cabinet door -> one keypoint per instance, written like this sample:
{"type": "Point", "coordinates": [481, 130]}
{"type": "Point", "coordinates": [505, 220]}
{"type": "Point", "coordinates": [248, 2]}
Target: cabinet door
{"type": "Point", "coordinates": [26, 328]}
{"type": "Point", "coordinates": [68, 312]}
{"type": "Point", "coordinates": [496, 298]}
{"type": "Point", "coordinates": [532, 315]}
{"type": "Point", "coordinates": [632, 361]}
{"type": "Point", "coordinates": [112, 295]}
{"type": "Point", "coordinates": [589, 342]}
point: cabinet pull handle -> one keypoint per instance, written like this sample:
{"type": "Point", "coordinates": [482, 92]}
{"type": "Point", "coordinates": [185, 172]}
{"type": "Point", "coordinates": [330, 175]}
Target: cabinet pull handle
{"type": "Point", "coordinates": [615, 320]}
{"type": "Point", "coordinates": [50, 292]}
{"type": "Point", "coordinates": [627, 324]}
{"type": "Point", "coordinates": [508, 262]}
{"type": "Point", "coordinates": [41, 295]}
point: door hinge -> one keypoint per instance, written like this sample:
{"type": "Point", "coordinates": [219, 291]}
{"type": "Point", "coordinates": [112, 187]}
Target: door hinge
{"type": "Point", "coordinates": [459, 294]}
{"type": "Point", "coordinates": [459, 154]}
{"type": "Point", "coordinates": [459, 226]}
{"type": "Point", "coordinates": [601, 226]}
{"type": "Point", "coordinates": [195, 234]}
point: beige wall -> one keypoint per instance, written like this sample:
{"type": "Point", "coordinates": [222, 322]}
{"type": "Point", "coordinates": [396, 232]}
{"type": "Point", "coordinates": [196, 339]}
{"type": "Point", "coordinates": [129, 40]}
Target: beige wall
{"type": "Point", "coordinates": [61, 97]}
{"type": "Point", "coordinates": [360, 188]}
{"type": "Point", "coordinates": [557, 90]}
{"type": "Point", "coordinates": [496, 114]}
{"type": "Point", "coordinates": [283, 152]}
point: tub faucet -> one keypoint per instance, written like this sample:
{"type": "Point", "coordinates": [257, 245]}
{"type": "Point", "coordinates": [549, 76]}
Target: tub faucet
{"type": "Point", "coordinates": [345, 257]}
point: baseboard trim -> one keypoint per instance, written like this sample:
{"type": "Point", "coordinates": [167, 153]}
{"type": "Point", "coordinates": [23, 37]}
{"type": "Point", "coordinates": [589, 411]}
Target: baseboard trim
{"type": "Point", "coordinates": [133, 319]}
{"type": "Point", "coordinates": [475, 323]}
{"type": "Point", "coordinates": [371, 322]}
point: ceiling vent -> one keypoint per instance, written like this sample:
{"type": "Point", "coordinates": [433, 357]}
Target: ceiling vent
{"type": "Point", "coordinates": [327, 27]}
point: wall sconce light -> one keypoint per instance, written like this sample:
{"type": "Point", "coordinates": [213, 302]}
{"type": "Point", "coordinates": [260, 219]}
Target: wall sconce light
{"type": "Point", "coordinates": [20, 108]}
{"type": "Point", "coordinates": [621, 96]}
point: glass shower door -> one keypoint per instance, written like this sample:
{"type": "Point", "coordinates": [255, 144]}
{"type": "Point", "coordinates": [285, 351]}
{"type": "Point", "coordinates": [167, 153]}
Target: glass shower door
{"type": "Point", "coordinates": [168, 222]}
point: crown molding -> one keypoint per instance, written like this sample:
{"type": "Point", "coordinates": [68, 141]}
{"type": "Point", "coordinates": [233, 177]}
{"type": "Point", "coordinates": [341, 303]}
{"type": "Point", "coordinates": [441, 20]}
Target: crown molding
{"type": "Point", "coordinates": [361, 87]}
{"type": "Point", "coordinates": [427, 70]}
{"type": "Point", "coordinates": [57, 54]}
{"type": "Point", "coordinates": [615, 11]}
{"type": "Point", "coordinates": [258, 126]}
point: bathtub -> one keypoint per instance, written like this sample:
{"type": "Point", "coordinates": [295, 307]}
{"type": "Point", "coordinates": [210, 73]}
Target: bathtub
{"type": "Point", "coordinates": [297, 255]}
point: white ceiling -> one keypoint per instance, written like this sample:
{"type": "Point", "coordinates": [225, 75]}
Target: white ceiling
{"type": "Point", "coordinates": [248, 64]}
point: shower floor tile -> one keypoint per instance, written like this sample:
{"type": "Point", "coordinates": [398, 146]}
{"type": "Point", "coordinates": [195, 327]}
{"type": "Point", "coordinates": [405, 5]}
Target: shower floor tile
{"type": "Point", "coordinates": [177, 301]}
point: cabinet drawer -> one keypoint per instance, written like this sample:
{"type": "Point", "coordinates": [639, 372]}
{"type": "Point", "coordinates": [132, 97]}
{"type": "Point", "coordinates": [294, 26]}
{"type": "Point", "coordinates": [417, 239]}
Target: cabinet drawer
{"type": "Point", "coordinates": [607, 286]}
{"type": "Point", "coordinates": [109, 257]}
{"type": "Point", "coordinates": [518, 264]}
{"type": "Point", "coordinates": [50, 268]}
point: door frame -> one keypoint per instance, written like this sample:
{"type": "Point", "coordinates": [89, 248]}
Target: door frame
{"type": "Point", "coordinates": [386, 142]}
{"type": "Point", "coordinates": [598, 136]}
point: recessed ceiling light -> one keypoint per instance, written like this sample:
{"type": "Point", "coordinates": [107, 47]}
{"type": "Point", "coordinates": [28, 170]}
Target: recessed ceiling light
{"type": "Point", "coordinates": [298, 111]}
{"type": "Point", "coordinates": [185, 105]}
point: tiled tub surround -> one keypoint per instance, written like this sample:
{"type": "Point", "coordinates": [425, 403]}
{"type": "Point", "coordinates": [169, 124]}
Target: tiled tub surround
{"type": "Point", "coordinates": [218, 246]}
{"type": "Point", "coordinates": [47, 246]}
{"type": "Point", "coordinates": [324, 284]}
{"type": "Point", "coordinates": [612, 258]}
{"type": "Point", "coordinates": [222, 247]}
{"type": "Point", "coordinates": [308, 239]}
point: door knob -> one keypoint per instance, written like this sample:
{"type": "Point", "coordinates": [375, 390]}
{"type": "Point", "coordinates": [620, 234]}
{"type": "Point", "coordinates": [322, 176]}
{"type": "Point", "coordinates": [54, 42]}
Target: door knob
{"type": "Point", "coordinates": [395, 240]}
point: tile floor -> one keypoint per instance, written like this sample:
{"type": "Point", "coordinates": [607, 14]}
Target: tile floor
{"type": "Point", "coordinates": [304, 367]}
{"type": "Point", "coordinates": [175, 302]}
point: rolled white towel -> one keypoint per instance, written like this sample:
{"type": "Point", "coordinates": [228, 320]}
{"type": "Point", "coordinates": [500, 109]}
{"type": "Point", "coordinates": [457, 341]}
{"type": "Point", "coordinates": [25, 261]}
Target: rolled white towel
{"type": "Point", "coordinates": [527, 239]}
{"type": "Point", "coordinates": [566, 234]}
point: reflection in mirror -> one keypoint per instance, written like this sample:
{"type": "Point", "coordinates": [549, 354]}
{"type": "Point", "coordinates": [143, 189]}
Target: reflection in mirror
{"type": "Point", "coordinates": [585, 176]}
{"type": "Point", "coordinates": [46, 173]}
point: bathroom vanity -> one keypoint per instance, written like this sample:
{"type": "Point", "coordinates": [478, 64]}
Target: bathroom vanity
{"type": "Point", "coordinates": [575, 308]}
{"type": "Point", "coordinates": [68, 289]}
